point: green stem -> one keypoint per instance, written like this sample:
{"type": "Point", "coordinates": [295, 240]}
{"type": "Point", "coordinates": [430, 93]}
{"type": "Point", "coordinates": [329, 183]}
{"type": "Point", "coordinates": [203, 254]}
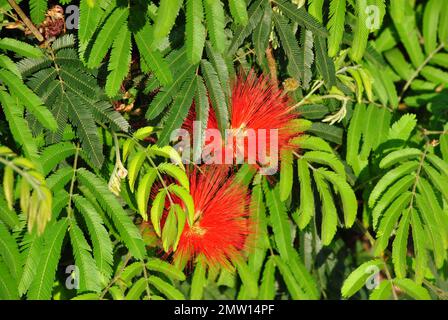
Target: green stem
{"type": "Point", "coordinates": [419, 69]}
{"type": "Point", "coordinates": [34, 183]}
{"type": "Point", "coordinates": [72, 183]}
{"type": "Point", "coordinates": [117, 276]}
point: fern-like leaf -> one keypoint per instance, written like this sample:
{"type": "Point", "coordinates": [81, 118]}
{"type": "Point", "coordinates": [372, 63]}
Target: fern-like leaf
{"type": "Point", "coordinates": [214, 12]}
{"type": "Point", "coordinates": [166, 16]}
{"type": "Point", "coordinates": [216, 94]}
{"type": "Point", "coordinates": [289, 44]}
{"type": "Point", "coordinates": [38, 8]}
{"type": "Point", "coordinates": [106, 36]}
{"type": "Point", "coordinates": [120, 59]}
{"type": "Point", "coordinates": [202, 109]}
{"type": "Point", "coordinates": [17, 124]}
{"type": "Point", "coordinates": [357, 279]}
{"type": "Point", "coordinates": [361, 32]}
{"type": "Point", "coordinates": [324, 63]}
{"type": "Point", "coordinates": [163, 98]}
{"type": "Point", "coordinates": [279, 220]}
{"type": "Point", "coordinates": [260, 37]}
{"type": "Point", "coordinates": [153, 59]}
{"type": "Point", "coordinates": [242, 32]}
{"type": "Point", "coordinates": [128, 231]}
{"type": "Point", "coordinates": [102, 245]}
{"type": "Point", "coordinates": [8, 64]}
{"type": "Point", "coordinates": [81, 117]}
{"type": "Point", "coordinates": [32, 102]}
{"type": "Point", "coordinates": [294, 288]}
{"type": "Point", "coordinates": [348, 197]}
{"type": "Point", "coordinates": [31, 248]}
{"type": "Point", "coordinates": [42, 284]}
{"type": "Point", "coordinates": [22, 48]}
{"type": "Point", "coordinates": [222, 69]}
{"type": "Point", "coordinates": [238, 11]}
{"type": "Point", "coordinates": [89, 17]}
{"type": "Point", "coordinates": [88, 271]}
{"type": "Point", "coordinates": [167, 289]}
{"type": "Point", "coordinates": [104, 112]}
{"type": "Point", "coordinates": [306, 57]}
{"type": "Point", "coordinates": [399, 247]}
{"type": "Point", "coordinates": [9, 252]}
{"type": "Point", "coordinates": [195, 31]}
{"type": "Point", "coordinates": [336, 26]}
{"type": "Point", "coordinates": [179, 110]}
{"type": "Point", "coordinates": [54, 154]}
{"type": "Point", "coordinates": [306, 210]}
{"type": "Point", "coordinates": [7, 216]}
{"type": "Point", "coordinates": [8, 285]}
{"type": "Point", "coordinates": [329, 214]}
{"type": "Point", "coordinates": [286, 174]}
{"type": "Point", "coordinates": [302, 17]}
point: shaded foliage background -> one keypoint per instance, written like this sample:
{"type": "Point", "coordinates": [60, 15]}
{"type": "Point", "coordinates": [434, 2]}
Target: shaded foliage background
{"type": "Point", "coordinates": [361, 211]}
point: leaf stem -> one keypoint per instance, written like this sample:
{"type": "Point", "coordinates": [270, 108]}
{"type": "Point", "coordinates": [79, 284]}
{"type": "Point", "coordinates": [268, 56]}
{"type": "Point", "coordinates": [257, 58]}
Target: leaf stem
{"type": "Point", "coordinates": [372, 243]}
{"type": "Point", "coordinates": [419, 69]}
{"type": "Point", "coordinates": [145, 274]}
{"type": "Point", "coordinates": [72, 183]}
{"type": "Point", "coordinates": [35, 184]}
{"type": "Point", "coordinates": [26, 20]}
{"type": "Point", "coordinates": [117, 276]}
{"type": "Point", "coordinates": [417, 175]}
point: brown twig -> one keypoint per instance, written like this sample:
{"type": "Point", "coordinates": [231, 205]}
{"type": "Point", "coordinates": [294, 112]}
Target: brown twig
{"type": "Point", "coordinates": [272, 65]}
{"type": "Point", "coordinates": [26, 20]}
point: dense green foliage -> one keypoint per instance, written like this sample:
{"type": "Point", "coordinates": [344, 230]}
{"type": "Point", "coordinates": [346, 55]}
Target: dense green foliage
{"type": "Point", "coordinates": [359, 211]}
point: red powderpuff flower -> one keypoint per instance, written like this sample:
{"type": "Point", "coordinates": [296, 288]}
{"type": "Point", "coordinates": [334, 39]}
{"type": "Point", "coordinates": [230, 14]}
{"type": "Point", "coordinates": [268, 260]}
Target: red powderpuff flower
{"type": "Point", "coordinates": [257, 104]}
{"type": "Point", "coordinates": [221, 227]}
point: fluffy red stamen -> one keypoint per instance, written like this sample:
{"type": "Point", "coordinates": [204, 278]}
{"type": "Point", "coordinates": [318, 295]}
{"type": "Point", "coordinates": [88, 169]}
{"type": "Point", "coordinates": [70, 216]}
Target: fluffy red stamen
{"type": "Point", "coordinates": [256, 104]}
{"type": "Point", "coordinates": [221, 225]}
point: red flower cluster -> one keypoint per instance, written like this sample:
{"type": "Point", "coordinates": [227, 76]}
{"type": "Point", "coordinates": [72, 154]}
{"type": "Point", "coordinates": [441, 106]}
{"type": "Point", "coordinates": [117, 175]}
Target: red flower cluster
{"type": "Point", "coordinates": [257, 105]}
{"type": "Point", "coordinates": [222, 225]}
